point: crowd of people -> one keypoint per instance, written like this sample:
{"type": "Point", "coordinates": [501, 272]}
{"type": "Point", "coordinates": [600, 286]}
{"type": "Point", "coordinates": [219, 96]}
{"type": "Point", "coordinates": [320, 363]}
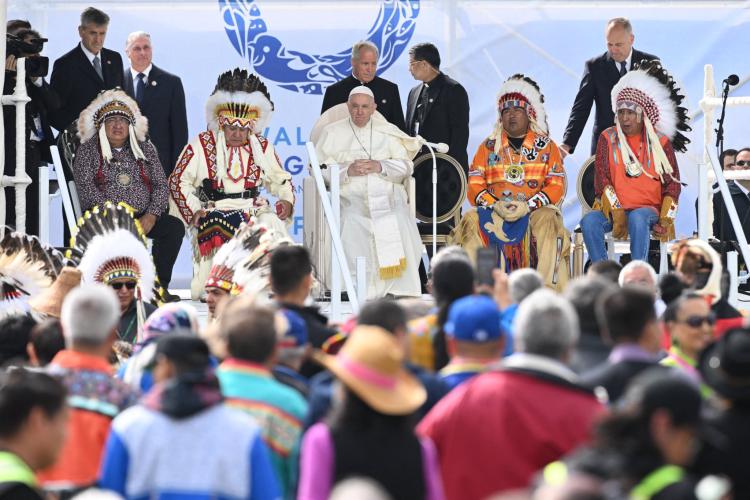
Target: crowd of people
{"type": "Point", "coordinates": [513, 381]}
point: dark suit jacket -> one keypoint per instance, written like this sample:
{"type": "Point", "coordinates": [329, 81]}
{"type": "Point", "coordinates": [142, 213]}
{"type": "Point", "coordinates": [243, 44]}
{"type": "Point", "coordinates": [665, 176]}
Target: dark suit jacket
{"type": "Point", "coordinates": [599, 77]}
{"type": "Point", "coordinates": [447, 115]}
{"type": "Point", "coordinates": [76, 82]}
{"type": "Point", "coordinates": [723, 229]}
{"type": "Point", "coordinates": [614, 377]}
{"type": "Point", "coordinates": [164, 106]}
{"type": "Point", "coordinates": [386, 97]}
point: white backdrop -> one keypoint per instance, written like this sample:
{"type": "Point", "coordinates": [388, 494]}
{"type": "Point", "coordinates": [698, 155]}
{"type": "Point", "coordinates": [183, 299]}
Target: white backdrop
{"type": "Point", "coordinates": [303, 44]}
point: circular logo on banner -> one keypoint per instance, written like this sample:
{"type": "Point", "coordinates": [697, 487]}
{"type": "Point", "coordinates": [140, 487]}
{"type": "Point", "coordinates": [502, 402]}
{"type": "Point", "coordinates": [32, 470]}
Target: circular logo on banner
{"type": "Point", "coordinates": [310, 73]}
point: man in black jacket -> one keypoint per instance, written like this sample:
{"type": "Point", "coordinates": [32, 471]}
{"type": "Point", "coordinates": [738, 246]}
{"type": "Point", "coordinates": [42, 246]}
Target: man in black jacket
{"type": "Point", "coordinates": [38, 134]}
{"type": "Point", "coordinates": [722, 225]}
{"type": "Point", "coordinates": [364, 68]}
{"type": "Point", "coordinates": [160, 97]}
{"type": "Point", "coordinates": [599, 77]}
{"type": "Point", "coordinates": [438, 108]}
{"type": "Point", "coordinates": [89, 68]}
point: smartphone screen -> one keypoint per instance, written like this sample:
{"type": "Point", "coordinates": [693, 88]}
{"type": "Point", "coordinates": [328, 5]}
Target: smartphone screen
{"type": "Point", "coordinates": [486, 263]}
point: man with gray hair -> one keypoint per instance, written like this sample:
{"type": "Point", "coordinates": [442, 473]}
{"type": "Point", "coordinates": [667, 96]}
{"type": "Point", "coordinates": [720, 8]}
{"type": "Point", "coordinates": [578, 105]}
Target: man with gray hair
{"type": "Point", "coordinates": [375, 161]}
{"type": "Point", "coordinates": [89, 319]}
{"type": "Point", "coordinates": [364, 72]}
{"type": "Point", "coordinates": [640, 273]}
{"type": "Point", "coordinates": [600, 75]}
{"type": "Point", "coordinates": [516, 419]}
{"type": "Point", "coordinates": [160, 97]}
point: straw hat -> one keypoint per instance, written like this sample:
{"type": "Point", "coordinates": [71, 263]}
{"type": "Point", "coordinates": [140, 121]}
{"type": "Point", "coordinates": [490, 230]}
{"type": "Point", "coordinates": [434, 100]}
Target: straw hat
{"type": "Point", "coordinates": [50, 301]}
{"type": "Point", "coordinates": [371, 365]}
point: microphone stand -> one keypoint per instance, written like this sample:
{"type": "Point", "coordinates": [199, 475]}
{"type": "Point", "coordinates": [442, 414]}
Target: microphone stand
{"type": "Point", "coordinates": [720, 147]}
{"type": "Point", "coordinates": [434, 191]}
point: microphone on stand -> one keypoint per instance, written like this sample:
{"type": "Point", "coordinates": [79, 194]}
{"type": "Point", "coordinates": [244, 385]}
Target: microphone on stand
{"type": "Point", "coordinates": [732, 80]}
{"type": "Point", "coordinates": [440, 147]}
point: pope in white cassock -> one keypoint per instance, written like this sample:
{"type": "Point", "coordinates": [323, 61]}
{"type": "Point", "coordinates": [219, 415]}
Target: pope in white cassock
{"type": "Point", "coordinates": [375, 160]}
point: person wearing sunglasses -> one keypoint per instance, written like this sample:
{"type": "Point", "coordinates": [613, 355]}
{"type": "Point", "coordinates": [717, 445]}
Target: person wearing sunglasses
{"type": "Point", "coordinates": [127, 328]}
{"type": "Point", "coordinates": [690, 324]}
{"type": "Point", "coordinates": [738, 189]}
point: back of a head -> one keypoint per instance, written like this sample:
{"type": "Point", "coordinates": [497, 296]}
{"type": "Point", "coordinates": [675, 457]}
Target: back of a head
{"type": "Point", "coordinates": [187, 353]}
{"type": "Point", "coordinates": [89, 314]}
{"type": "Point", "coordinates": [608, 269]}
{"type": "Point", "coordinates": [385, 313]}
{"type": "Point", "coordinates": [625, 312]}
{"type": "Point", "coordinates": [657, 389]}
{"type": "Point", "coordinates": [47, 339]}
{"type": "Point", "coordinates": [523, 282]}
{"type": "Point", "coordinates": [23, 390]}
{"type": "Point", "coordinates": [546, 324]}
{"type": "Point", "coordinates": [249, 330]}
{"type": "Point", "coordinates": [670, 287]}
{"type": "Point", "coordinates": [583, 293]}
{"type": "Point", "coordinates": [673, 308]}
{"type": "Point", "coordinates": [290, 264]}
{"type": "Point", "coordinates": [452, 278]}
{"type": "Point", "coordinates": [15, 333]}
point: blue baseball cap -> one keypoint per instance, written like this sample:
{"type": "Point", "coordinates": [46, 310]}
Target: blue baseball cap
{"type": "Point", "coordinates": [296, 332]}
{"type": "Point", "coordinates": [475, 318]}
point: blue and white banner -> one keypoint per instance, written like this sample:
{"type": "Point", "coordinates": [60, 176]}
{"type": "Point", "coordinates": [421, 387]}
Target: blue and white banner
{"type": "Point", "coordinates": [300, 47]}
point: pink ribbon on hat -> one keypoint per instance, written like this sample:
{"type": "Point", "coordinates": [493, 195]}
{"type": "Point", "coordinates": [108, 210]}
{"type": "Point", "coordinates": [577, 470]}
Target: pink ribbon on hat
{"type": "Point", "coordinates": [366, 373]}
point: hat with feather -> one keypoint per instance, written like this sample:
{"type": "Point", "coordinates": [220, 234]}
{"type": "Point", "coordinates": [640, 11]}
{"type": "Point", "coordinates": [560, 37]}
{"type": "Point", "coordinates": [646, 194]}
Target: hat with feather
{"type": "Point", "coordinates": [109, 104]}
{"type": "Point", "coordinates": [651, 92]}
{"type": "Point", "coordinates": [520, 91]}
{"type": "Point", "coordinates": [239, 99]}
{"type": "Point", "coordinates": [27, 268]}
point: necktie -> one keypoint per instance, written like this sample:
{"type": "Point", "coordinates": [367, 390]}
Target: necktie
{"type": "Point", "coordinates": [140, 87]}
{"type": "Point", "coordinates": [424, 99]}
{"type": "Point", "coordinates": [98, 67]}
{"type": "Point", "coordinates": [622, 68]}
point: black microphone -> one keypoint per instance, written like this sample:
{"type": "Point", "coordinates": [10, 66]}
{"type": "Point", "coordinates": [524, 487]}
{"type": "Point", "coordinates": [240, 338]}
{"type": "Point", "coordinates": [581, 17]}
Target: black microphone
{"type": "Point", "coordinates": [732, 80]}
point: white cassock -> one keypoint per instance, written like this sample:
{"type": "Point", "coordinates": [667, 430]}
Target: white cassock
{"type": "Point", "coordinates": [375, 218]}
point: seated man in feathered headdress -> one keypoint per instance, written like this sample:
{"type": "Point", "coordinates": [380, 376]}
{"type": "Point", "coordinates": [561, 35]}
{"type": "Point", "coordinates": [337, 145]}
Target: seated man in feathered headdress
{"type": "Point", "coordinates": [215, 186]}
{"type": "Point", "coordinates": [516, 179]}
{"type": "Point", "coordinates": [116, 162]}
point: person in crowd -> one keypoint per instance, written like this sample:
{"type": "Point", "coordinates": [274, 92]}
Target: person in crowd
{"type": "Point", "coordinates": [127, 328]}
{"type": "Point", "coordinates": [641, 273]}
{"type": "Point", "coordinates": [32, 430]}
{"type": "Point", "coordinates": [293, 350]}
{"type": "Point", "coordinates": [636, 179]}
{"type": "Point", "coordinates": [45, 342]}
{"type": "Point", "coordinates": [181, 441]}
{"type": "Point", "coordinates": [516, 180]}
{"type": "Point", "coordinates": [16, 333]}
{"type": "Point", "coordinates": [248, 384]}
{"type": "Point", "coordinates": [169, 319]}
{"type": "Point", "coordinates": [391, 317]}
{"type": "Point", "coordinates": [28, 43]}
{"type": "Point", "coordinates": [494, 432]}
{"type": "Point", "coordinates": [375, 158]}
{"type": "Point", "coordinates": [600, 75]}
{"type": "Point", "coordinates": [371, 433]}
{"type": "Point", "coordinates": [519, 284]}
{"type": "Point", "coordinates": [365, 56]}
{"type": "Point", "coordinates": [452, 277]}
{"type": "Point", "coordinates": [474, 338]}
{"type": "Point", "coordinates": [116, 162]}
{"type": "Point", "coordinates": [48, 303]}
{"type": "Point", "coordinates": [160, 97]}
{"type": "Point", "coordinates": [630, 324]}
{"type": "Point", "coordinates": [607, 269]}
{"type": "Point", "coordinates": [644, 448]}
{"type": "Point", "coordinates": [437, 108]}
{"type": "Point", "coordinates": [725, 368]}
{"type": "Point", "coordinates": [215, 185]}
{"type": "Point", "coordinates": [690, 323]}
{"type": "Point", "coordinates": [291, 282]}
{"type": "Point", "coordinates": [89, 319]}
{"type": "Point", "coordinates": [722, 226]}
{"type": "Point", "coordinates": [584, 293]}
{"type": "Point", "coordinates": [727, 159]}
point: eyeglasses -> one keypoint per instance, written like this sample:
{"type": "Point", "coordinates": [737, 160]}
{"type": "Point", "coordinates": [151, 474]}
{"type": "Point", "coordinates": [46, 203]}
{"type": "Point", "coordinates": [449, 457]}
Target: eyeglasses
{"type": "Point", "coordinates": [742, 163]}
{"type": "Point", "coordinates": [697, 321]}
{"type": "Point", "coordinates": [129, 284]}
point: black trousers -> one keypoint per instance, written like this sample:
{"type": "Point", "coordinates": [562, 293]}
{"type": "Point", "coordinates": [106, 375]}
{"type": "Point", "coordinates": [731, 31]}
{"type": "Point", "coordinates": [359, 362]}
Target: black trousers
{"type": "Point", "coordinates": [167, 235]}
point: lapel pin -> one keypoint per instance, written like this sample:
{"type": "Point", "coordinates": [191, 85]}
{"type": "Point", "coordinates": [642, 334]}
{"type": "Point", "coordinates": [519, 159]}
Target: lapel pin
{"type": "Point", "coordinates": [430, 100]}
{"type": "Point", "coordinates": [109, 62]}
{"type": "Point", "coordinates": [153, 83]}
{"type": "Point", "coordinates": [384, 101]}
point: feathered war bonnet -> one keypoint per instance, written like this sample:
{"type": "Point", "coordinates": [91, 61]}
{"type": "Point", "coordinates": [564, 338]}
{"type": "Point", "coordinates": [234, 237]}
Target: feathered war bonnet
{"type": "Point", "coordinates": [239, 99]}
{"type": "Point", "coordinates": [520, 91]}
{"type": "Point", "coordinates": [653, 94]}
{"type": "Point", "coordinates": [107, 104]}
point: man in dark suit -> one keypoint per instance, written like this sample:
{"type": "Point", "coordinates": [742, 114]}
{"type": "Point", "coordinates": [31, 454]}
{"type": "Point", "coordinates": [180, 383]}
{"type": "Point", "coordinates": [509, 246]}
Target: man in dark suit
{"type": "Point", "coordinates": [82, 73]}
{"type": "Point", "coordinates": [438, 108]}
{"type": "Point", "coordinates": [740, 191]}
{"type": "Point", "coordinates": [364, 68]}
{"type": "Point", "coordinates": [160, 97]}
{"type": "Point", "coordinates": [38, 134]}
{"type": "Point", "coordinates": [599, 77]}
